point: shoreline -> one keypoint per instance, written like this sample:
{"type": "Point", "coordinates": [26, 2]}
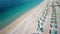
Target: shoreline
{"type": "Point", "coordinates": [16, 14]}
{"type": "Point", "coordinates": [22, 18]}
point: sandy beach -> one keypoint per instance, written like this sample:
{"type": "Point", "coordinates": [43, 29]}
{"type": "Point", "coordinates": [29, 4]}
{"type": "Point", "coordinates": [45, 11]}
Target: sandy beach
{"type": "Point", "coordinates": [27, 23]}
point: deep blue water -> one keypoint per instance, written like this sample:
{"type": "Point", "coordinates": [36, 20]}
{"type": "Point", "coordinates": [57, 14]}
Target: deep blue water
{"type": "Point", "coordinates": [10, 10]}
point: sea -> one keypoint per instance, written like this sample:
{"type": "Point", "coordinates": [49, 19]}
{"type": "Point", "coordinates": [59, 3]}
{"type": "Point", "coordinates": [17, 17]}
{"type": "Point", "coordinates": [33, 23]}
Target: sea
{"type": "Point", "coordinates": [10, 10]}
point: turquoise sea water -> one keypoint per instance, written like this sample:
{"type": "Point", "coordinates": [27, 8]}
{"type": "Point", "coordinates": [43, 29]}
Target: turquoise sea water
{"type": "Point", "coordinates": [12, 14]}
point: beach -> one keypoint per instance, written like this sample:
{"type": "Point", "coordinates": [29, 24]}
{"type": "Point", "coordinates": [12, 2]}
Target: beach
{"type": "Point", "coordinates": [27, 23]}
